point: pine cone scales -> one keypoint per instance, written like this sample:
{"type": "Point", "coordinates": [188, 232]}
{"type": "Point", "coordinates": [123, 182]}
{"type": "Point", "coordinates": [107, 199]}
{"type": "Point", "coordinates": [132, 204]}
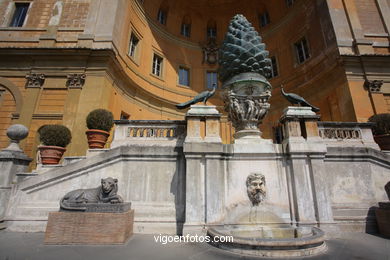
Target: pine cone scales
{"type": "Point", "coordinates": [242, 51]}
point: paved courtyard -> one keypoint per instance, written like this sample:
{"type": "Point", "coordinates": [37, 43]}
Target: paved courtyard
{"type": "Point", "coordinates": [15, 246]}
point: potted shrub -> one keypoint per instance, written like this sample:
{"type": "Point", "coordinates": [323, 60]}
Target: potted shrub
{"type": "Point", "coordinates": [381, 130]}
{"type": "Point", "coordinates": [54, 139]}
{"type": "Point", "coordinates": [99, 123]}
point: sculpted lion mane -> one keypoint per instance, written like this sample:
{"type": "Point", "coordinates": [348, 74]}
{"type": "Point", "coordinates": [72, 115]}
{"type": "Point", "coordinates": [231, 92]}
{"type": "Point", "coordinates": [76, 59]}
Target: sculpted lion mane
{"type": "Point", "coordinates": [105, 193]}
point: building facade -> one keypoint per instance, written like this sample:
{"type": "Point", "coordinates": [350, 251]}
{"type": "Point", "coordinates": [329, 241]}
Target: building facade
{"type": "Point", "coordinates": [60, 59]}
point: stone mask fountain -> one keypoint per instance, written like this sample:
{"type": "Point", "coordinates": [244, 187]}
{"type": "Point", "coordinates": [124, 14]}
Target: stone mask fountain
{"type": "Point", "coordinates": [259, 229]}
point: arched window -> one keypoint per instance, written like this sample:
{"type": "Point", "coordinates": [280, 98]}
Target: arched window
{"type": "Point", "coordinates": [185, 29]}
{"type": "Point", "coordinates": [211, 29]}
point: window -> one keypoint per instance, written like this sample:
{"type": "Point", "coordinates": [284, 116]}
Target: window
{"type": "Point", "coordinates": [185, 29]}
{"type": "Point", "coordinates": [211, 29]}
{"type": "Point", "coordinates": [157, 65]}
{"type": "Point", "coordinates": [211, 32]}
{"type": "Point", "coordinates": [289, 3]}
{"type": "Point", "coordinates": [301, 50]}
{"type": "Point", "coordinates": [211, 79]}
{"type": "Point", "coordinates": [274, 67]}
{"type": "Point", "coordinates": [19, 14]}
{"type": "Point", "coordinates": [133, 45]}
{"type": "Point", "coordinates": [264, 19]}
{"type": "Point", "coordinates": [184, 76]}
{"type": "Point", "coordinates": [162, 16]}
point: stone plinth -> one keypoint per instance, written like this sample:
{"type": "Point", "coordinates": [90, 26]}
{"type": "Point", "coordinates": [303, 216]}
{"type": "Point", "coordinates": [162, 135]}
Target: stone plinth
{"type": "Point", "coordinates": [299, 122]}
{"type": "Point", "coordinates": [89, 228]}
{"type": "Point", "coordinates": [211, 116]}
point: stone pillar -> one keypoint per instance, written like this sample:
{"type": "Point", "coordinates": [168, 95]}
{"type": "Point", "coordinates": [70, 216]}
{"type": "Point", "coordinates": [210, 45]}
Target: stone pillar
{"type": "Point", "coordinates": [202, 166]}
{"type": "Point", "coordinates": [306, 152]}
{"type": "Point", "coordinates": [195, 191]}
{"type": "Point", "coordinates": [33, 89]}
{"type": "Point", "coordinates": [12, 161]}
{"type": "Point", "coordinates": [211, 116]}
{"type": "Point", "coordinates": [75, 83]}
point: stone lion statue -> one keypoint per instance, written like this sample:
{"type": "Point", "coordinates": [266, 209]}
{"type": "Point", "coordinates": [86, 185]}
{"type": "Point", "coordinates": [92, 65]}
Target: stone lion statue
{"type": "Point", "coordinates": [255, 185]}
{"type": "Point", "coordinates": [105, 193]}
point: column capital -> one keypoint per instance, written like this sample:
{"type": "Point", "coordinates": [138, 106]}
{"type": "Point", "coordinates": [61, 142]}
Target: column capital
{"type": "Point", "coordinates": [75, 80]}
{"type": "Point", "coordinates": [373, 86]}
{"type": "Point", "coordinates": [35, 80]}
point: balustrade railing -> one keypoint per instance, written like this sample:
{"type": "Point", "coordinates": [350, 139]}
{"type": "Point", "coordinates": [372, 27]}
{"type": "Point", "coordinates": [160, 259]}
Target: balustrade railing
{"type": "Point", "coordinates": [130, 131]}
{"type": "Point", "coordinates": [346, 133]}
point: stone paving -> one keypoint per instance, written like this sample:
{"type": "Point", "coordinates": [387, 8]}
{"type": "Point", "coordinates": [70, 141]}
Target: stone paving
{"type": "Point", "coordinates": [29, 246]}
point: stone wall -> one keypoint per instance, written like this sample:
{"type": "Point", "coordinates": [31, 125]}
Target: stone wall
{"type": "Point", "coordinates": [182, 187]}
{"type": "Point", "coordinates": [151, 177]}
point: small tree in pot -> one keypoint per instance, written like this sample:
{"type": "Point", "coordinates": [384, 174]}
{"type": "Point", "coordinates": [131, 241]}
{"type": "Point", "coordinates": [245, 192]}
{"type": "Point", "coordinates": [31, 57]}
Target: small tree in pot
{"type": "Point", "coordinates": [99, 123]}
{"type": "Point", "coordinates": [54, 139]}
{"type": "Point", "coordinates": [381, 130]}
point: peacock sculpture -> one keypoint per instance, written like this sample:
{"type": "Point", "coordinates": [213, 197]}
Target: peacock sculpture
{"type": "Point", "coordinates": [204, 96]}
{"type": "Point", "coordinates": [296, 99]}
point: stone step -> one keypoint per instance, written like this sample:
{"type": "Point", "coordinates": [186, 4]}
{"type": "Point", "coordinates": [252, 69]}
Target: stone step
{"type": "Point", "coordinates": [2, 225]}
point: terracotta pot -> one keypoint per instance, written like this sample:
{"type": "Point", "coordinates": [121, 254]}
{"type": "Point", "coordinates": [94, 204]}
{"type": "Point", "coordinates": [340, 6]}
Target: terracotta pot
{"type": "Point", "coordinates": [383, 220]}
{"type": "Point", "coordinates": [383, 141]}
{"type": "Point", "coordinates": [51, 154]}
{"type": "Point", "coordinates": [96, 138]}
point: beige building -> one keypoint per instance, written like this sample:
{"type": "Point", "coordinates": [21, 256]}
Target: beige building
{"type": "Point", "coordinates": [60, 59]}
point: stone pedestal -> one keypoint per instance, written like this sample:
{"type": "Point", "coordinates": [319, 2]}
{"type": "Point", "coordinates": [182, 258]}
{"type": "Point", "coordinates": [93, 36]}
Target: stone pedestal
{"type": "Point", "coordinates": [211, 117]}
{"type": "Point", "coordinates": [89, 228]}
{"type": "Point", "coordinates": [12, 162]}
{"type": "Point", "coordinates": [299, 123]}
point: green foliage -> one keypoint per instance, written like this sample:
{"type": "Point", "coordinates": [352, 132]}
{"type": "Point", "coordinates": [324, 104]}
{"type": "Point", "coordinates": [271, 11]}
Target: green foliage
{"type": "Point", "coordinates": [100, 119]}
{"type": "Point", "coordinates": [382, 124]}
{"type": "Point", "coordinates": [57, 135]}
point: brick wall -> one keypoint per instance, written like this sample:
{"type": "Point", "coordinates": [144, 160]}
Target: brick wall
{"type": "Point", "coordinates": [39, 13]}
{"type": "Point", "coordinates": [52, 100]}
{"type": "Point", "coordinates": [369, 16]}
{"type": "Point", "coordinates": [75, 13]}
{"type": "Point", "coordinates": [7, 107]}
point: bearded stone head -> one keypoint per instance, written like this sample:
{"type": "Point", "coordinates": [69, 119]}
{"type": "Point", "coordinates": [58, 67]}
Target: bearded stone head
{"type": "Point", "coordinates": [255, 186]}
